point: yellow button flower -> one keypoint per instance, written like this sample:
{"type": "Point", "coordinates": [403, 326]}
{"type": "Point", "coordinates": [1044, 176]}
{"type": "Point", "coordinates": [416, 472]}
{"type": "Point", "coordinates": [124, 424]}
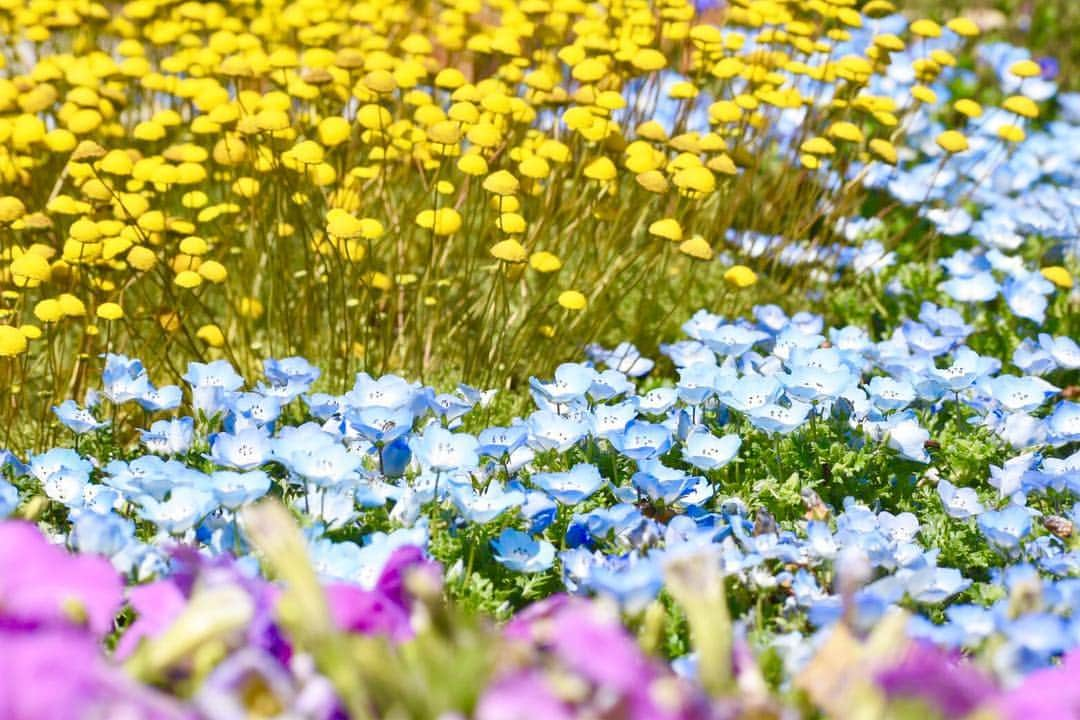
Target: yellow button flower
{"type": "Point", "coordinates": [12, 341]}
{"type": "Point", "coordinates": [740, 276]}
{"type": "Point", "coordinates": [572, 300]}
{"type": "Point", "coordinates": [510, 251]}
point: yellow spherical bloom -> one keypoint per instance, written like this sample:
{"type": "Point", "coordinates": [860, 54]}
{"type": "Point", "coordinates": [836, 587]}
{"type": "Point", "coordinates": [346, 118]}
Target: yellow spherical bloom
{"type": "Point", "coordinates": [845, 131]}
{"type": "Point", "coordinates": [697, 247]}
{"type": "Point", "coordinates": [545, 262]}
{"type": "Point", "coordinates": [1058, 275]}
{"type": "Point", "coordinates": [472, 164]}
{"type": "Point", "coordinates": [116, 162]}
{"type": "Point", "coordinates": [965, 27]}
{"type": "Point", "coordinates": [649, 60]}
{"type": "Point", "coordinates": [1022, 106]}
{"type": "Point", "coordinates": [653, 181]}
{"type": "Point", "coordinates": [194, 245]}
{"type": "Point", "coordinates": [1025, 69]}
{"type": "Point", "coordinates": [511, 223]}
{"type": "Point", "coordinates": [141, 258]}
{"type": "Point", "coordinates": [952, 141]}
{"type": "Point", "coordinates": [213, 271]}
{"type": "Point", "coordinates": [501, 182]}
{"type": "Point", "coordinates": [968, 108]}
{"type": "Point", "coordinates": [109, 311]}
{"type": "Point", "coordinates": [307, 152]}
{"type": "Point", "coordinates": [249, 307]}
{"type": "Point", "coordinates": [71, 306]}
{"type": "Point", "coordinates": [12, 341]}
{"type": "Point", "coordinates": [444, 221]}
{"type": "Point", "coordinates": [211, 335]}
{"type": "Point", "coordinates": [61, 140]}
{"type": "Point", "coordinates": [510, 251]}
{"type": "Point", "coordinates": [668, 228]}
{"type": "Point", "coordinates": [341, 224]}
{"type": "Point", "coordinates": [374, 117]}
{"type": "Point", "coordinates": [818, 146]}
{"type": "Point", "coordinates": [334, 131]}
{"type": "Point", "coordinates": [740, 276]}
{"type": "Point", "coordinates": [48, 310]}
{"type": "Point", "coordinates": [11, 209]}
{"type": "Point", "coordinates": [924, 94]}
{"type": "Point", "coordinates": [534, 167]}
{"type": "Point", "coordinates": [925, 28]}
{"type": "Point", "coordinates": [600, 169]}
{"type": "Point", "coordinates": [695, 179]}
{"type": "Point", "coordinates": [29, 270]}
{"type": "Point", "coordinates": [1011, 133]}
{"type": "Point", "coordinates": [30, 332]}
{"type": "Point", "coordinates": [884, 150]}
{"type": "Point", "coordinates": [572, 300]}
{"type": "Point", "coordinates": [450, 79]}
{"type": "Point", "coordinates": [188, 279]}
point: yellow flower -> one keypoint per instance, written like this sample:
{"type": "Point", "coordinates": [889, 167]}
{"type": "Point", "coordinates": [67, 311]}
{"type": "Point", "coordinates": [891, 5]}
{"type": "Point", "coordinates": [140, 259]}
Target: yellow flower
{"type": "Point", "coordinates": [696, 179]}
{"type": "Point", "coordinates": [188, 279]}
{"type": "Point", "coordinates": [213, 271]}
{"type": "Point", "coordinates": [510, 251]}
{"type": "Point", "coordinates": [1011, 133]}
{"type": "Point", "coordinates": [818, 146]}
{"type": "Point", "coordinates": [29, 270]}
{"type": "Point", "coordinates": [967, 107]}
{"type": "Point", "coordinates": [600, 169]}
{"type": "Point", "coordinates": [1025, 69]}
{"type": "Point", "coordinates": [572, 300]}
{"type": "Point", "coordinates": [71, 306]}
{"type": "Point", "coordinates": [740, 276]}
{"type": "Point", "coordinates": [141, 258]}
{"type": "Point", "coordinates": [109, 311]}
{"type": "Point", "coordinates": [501, 182]}
{"type": "Point", "coordinates": [963, 26]}
{"type": "Point", "coordinates": [545, 262]}
{"type": "Point", "coordinates": [697, 247]}
{"type": "Point", "coordinates": [1058, 275]}
{"type": "Point", "coordinates": [12, 342]}
{"type": "Point", "coordinates": [1021, 105]}
{"type": "Point", "coordinates": [11, 209]}
{"type": "Point", "coordinates": [334, 131]}
{"type": "Point", "coordinates": [444, 221]}
{"type": "Point", "coordinates": [884, 149]}
{"type": "Point", "coordinates": [341, 224]}
{"type": "Point", "coordinates": [211, 335]}
{"type": "Point", "coordinates": [952, 141]}
{"type": "Point", "coordinates": [845, 131]}
{"type": "Point", "coordinates": [668, 228]}
{"type": "Point", "coordinates": [48, 310]}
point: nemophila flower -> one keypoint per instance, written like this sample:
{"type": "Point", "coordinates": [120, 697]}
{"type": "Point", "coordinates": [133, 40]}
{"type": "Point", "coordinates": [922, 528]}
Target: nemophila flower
{"type": "Point", "coordinates": [731, 340]}
{"type": "Point", "coordinates": [167, 397]}
{"type": "Point", "coordinates": [752, 392]}
{"type": "Point", "coordinates": [169, 437]}
{"type": "Point", "coordinates": [1020, 394]}
{"type": "Point", "coordinates": [793, 339]}
{"type": "Point", "coordinates": [660, 483]}
{"type": "Point", "coordinates": [78, 420]}
{"type": "Point", "coordinates": [959, 503]}
{"type": "Point", "coordinates": [497, 442]}
{"type": "Point", "coordinates": [550, 431]}
{"type": "Point", "coordinates": [610, 384]}
{"type": "Point", "coordinates": [245, 450]}
{"type": "Point", "coordinates": [251, 409]}
{"type": "Point", "coordinates": [294, 372]}
{"type": "Point", "coordinates": [571, 382]}
{"type": "Point", "coordinates": [609, 420]}
{"type": "Point", "coordinates": [624, 358]}
{"type": "Point", "coordinates": [889, 394]}
{"type": "Point", "coordinates": [233, 489]}
{"type": "Point", "coordinates": [706, 451]}
{"type": "Point", "coordinates": [380, 424]}
{"type": "Point", "coordinates": [484, 507]}
{"type": "Point", "coordinates": [1006, 528]}
{"type": "Point", "coordinates": [903, 433]}
{"type": "Point", "coordinates": [180, 511]}
{"type": "Point", "coordinates": [1063, 350]}
{"type": "Point", "coordinates": [978, 287]}
{"type": "Point", "coordinates": [934, 584]}
{"type": "Point", "coordinates": [1063, 424]}
{"type": "Point", "coordinates": [688, 352]}
{"type": "Point", "coordinates": [521, 553]}
{"type": "Point", "coordinates": [572, 486]}
{"type": "Point", "coordinates": [124, 379]}
{"type": "Point", "coordinates": [699, 382]}
{"type": "Point", "coordinates": [388, 391]}
{"type": "Point", "coordinates": [440, 450]}
{"type": "Point", "coordinates": [57, 460]}
{"type": "Point", "coordinates": [782, 419]}
{"type": "Point", "coordinates": [641, 440]}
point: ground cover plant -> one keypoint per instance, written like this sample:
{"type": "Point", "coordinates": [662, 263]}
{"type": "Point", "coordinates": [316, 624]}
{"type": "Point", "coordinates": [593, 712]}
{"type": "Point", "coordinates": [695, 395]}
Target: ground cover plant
{"type": "Point", "coordinates": [544, 359]}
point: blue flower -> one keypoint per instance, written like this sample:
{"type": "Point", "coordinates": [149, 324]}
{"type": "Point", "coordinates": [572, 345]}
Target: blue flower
{"type": "Point", "coordinates": [549, 431]}
{"type": "Point", "coordinates": [960, 503]}
{"type": "Point", "coordinates": [487, 506]}
{"type": "Point", "coordinates": [1006, 528]}
{"type": "Point", "coordinates": [1020, 394]}
{"type": "Point", "coordinates": [657, 401]}
{"type": "Point", "coordinates": [572, 381]}
{"type": "Point", "coordinates": [521, 553]}
{"type": "Point", "coordinates": [776, 418]}
{"type": "Point", "coordinates": [1064, 423]}
{"type": "Point", "coordinates": [246, 450]}
{"type": "Point", "coordinates": [641, 440]}
{"type": "Point", "coordinates": [1063, 350]}
{"type": "Point", "coordinates": [181, 511]}
{"type": "Point", "coordinates": [979, 287]}
{"type": "Point", "coordinates": [732, 340]}
{"type": "Point", "coordinates": [889, 394]}
{"type": "Point", "coordinates": [934, 584]}
{"type": "Point", "coordinates": [169, 437]}
{"type": "Point", "coordinates": [290, 371]}
{"type": "Point", "coordinates": [440, 450]}
{"type": "Point", "coordinates": [123, 379]}
{"type": "Point", "coordinates": [167, 397]}
{"type": "Point", "coordinates": [706, 451]}
{"type": "Point", "coordinates": [752, 392]}
{"type": "Point", "coordinates": [499, 442]}
{"type": "Point", "coordinates": [570, 487]}
{"type": "Point", "coordinates": [388, 391]}
{"type": "Point", "coordinates": [380, 423]}
{"type": "Point", "coordinates": [624, 358]}
{"type": "Point", "coordinates": [233, 489]}
{"type": "Point", "coordinates": [78, 420]}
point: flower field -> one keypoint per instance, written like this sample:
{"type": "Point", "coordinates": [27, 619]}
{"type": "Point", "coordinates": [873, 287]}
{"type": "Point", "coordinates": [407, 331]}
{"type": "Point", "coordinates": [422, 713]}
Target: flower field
{"type": "Point", "coordinates": [517, 359]}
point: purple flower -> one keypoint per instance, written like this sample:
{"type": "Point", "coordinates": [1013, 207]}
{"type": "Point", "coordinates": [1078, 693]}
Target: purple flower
{"type": "Point", "coordinates": [1046, 694]}
{"type": "Point", "coordinates": [940, 678]}
{"type": "Point", "coordinates": [522, 696]}
{"type": "Point", "coordinates": [42, 585]}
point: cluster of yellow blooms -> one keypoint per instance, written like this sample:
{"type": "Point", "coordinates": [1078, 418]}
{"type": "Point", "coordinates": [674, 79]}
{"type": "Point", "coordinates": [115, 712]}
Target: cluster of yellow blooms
{"type": "Point", "coordinates": [405, 175]}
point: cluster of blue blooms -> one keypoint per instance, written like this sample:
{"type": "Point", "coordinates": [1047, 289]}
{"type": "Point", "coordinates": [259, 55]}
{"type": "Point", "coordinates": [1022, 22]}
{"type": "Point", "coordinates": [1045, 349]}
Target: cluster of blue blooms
{"type": "Point", "coordinates": [606, 481]}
